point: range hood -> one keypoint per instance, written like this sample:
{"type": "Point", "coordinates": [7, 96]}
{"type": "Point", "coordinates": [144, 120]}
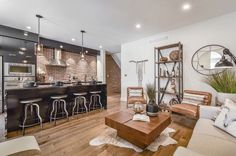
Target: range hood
{"type": "Point", "coordinates": [56, 59]}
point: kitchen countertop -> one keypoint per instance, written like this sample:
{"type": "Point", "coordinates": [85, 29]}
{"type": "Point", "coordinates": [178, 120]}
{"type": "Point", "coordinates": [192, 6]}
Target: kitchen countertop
{"type": "Point", "coordinates": [52, 86]}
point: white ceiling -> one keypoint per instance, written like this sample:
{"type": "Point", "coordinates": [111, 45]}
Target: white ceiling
{"type": "Point", "coordinates": [108, 22]}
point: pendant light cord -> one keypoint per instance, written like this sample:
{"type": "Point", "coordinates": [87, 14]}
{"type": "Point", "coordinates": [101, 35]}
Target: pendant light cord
{"type": "Point", "coordinates": [82, 42]}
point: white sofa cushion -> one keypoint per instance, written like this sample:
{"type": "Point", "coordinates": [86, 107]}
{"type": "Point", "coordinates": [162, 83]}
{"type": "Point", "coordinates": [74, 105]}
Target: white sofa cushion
{"type": "Point", "coordinates": [226, 120]}
{"type": "Point", "coordinates": [211, 141]}
{"type": "Point", "coordinates": [20, 146]}
{"type": "Point", "coordinates": [209, 112]}
{"type": "Point", "coordinates": [211, 145]}
{"type": "Point", "coordinates": [205, 127]}
{"type": "Point", "coordinates": [181, 151]}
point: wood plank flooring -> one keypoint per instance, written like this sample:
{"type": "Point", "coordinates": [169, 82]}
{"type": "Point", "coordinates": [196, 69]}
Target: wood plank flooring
{"type": "Point", "coordinates": [72, 138]}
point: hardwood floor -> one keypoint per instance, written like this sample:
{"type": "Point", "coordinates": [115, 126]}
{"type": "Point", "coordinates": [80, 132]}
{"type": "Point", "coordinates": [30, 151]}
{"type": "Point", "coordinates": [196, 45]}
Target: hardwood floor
{"type": "Point", "coordinates": [72, 138]}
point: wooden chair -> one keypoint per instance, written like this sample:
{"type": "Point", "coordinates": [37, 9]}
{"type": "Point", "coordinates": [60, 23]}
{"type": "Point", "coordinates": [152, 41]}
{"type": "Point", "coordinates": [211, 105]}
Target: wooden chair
{"type": "Point", "coordinates": [135, 94]}
{"type": "Point", "coordinates": [189, 109]}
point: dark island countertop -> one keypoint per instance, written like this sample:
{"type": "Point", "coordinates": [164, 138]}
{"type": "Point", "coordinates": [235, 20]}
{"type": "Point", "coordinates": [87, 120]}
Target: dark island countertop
{"type": "Point", "coordinates": [15, 95]}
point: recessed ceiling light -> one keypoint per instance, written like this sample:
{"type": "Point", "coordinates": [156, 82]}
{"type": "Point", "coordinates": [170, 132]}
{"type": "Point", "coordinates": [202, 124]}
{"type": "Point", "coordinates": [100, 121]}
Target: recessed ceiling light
{"type": "Point", "coordinates": [73, 39]}
{"type": "Point", "coordinates": [28, 27]}
{"type": "Point", "coordinates": [23, 49]}
{"type": "Point", "coordinates": [100, 47]}
{"type": "Point", "coordinates": [21, 52]}
{"type": "Point", "coordinates": [138, 26]}
{"type": "Point", "coordinates": [24, 61]}
{"type": "Point", "coordinates": [25, 33]}
{"type": "Point", "coordinates": [186, 6]}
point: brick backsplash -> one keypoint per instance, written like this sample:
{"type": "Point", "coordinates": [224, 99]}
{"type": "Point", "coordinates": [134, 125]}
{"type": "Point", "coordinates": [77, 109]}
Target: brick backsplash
{"type": "Point", "coordinates": [76, 67]}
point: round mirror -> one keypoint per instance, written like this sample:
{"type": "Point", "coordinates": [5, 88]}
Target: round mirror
{"type": "Point", "coordinates": [205, 59]}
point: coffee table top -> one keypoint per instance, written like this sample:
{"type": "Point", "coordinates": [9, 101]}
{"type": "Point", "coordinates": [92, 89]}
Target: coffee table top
{"type": "Point", "coordinates": [125, 118]}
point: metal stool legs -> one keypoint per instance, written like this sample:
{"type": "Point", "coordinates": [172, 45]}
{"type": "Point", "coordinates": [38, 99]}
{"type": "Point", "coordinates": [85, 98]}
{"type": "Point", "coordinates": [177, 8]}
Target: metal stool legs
{"type": "Point", "coordinates": [31, 105]}
{"type": "Point", "coordinates": [93, 101]}
{"type": "Point", "coordinates": [59, 103]}
{"type": "Point", "coordinates": [77, 104]}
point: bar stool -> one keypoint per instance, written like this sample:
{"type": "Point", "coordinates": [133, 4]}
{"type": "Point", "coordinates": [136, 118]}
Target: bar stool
{"type": "Point", "coordinates": [31, 103]}
{"type": "Point", "coordinates": [58, 104]}
{"type": "Point", "coordinates": [80, 103]}
{"type": "Point", "coordinates": [95, 100]}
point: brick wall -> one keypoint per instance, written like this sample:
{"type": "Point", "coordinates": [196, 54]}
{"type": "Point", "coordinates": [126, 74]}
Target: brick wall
{"type": "Point", "coordinates": [113, 76]}
{"type": "Point", "coordinates": [77, 67]}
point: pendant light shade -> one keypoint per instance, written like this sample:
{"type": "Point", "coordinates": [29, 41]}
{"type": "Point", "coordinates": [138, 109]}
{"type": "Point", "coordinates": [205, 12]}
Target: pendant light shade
{"type": "Point", "coordinates": [39, 46]}
{"type": "Point", "coordinates": [224, 62]}
{"type": "Point", "coordinates": [82, 51]}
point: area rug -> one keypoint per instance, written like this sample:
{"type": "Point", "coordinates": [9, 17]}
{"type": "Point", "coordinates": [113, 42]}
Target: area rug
{"type": "Point", "coordinates": [109, 136]}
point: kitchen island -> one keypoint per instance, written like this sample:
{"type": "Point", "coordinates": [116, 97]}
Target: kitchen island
{"type": "Point", "coordinates": [14, 96]}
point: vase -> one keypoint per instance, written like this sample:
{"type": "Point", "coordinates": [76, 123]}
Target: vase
{"type": "Point", "coordinates": [222, 96]}
{"type": "Point", "coordinates": [152, 108]}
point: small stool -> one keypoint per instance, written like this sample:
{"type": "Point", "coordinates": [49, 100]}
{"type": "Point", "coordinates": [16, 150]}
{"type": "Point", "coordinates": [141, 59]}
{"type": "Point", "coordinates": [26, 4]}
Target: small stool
{"type": "Point", "coordinates": [31, 103]}
{"type": "Point", "coordinates": [80, 103]}
{"type": "Point", "coordinates": [58, 103]}
{"type": "Point", "coordinates": [95, 100]}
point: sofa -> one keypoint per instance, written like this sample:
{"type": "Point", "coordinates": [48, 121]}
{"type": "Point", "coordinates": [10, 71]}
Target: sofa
{"type": "Point", "coordinates": [208, 140]}
{"type": "Point", "coordinates": [22, 146]}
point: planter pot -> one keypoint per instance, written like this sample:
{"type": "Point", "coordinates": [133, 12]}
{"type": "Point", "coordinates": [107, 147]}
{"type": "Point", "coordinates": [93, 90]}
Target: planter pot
{"type": "Point", "coordinates": [152, 108]}
{"type": "Point", "coordinates": [222, 96]}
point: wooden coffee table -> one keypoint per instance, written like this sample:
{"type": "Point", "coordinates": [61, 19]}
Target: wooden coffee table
{"type": "Point", "coordinates": [138, 133]}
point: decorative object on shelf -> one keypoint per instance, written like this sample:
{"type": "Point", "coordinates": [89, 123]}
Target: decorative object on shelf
{"type": "Point", "coordinates": [83, 53]}
{"type": "Point", "coordinates": [173, 73]}
{"type": "Point", "coordinates": [173, 101]}
{"type": "Point", "coordinates": [152, 108]}
{"type": "Point", "coordinates": [174, 55]}
{"type": "Point", "coordinates": [225, 85]}
{"type": "Point", "coordinates": [164, 107]}
{"type": "Point", "coordinates": [164, 59]}
{"type": "Point", "coordinates": [173, 85]}
{"type": "Point", "coordinates": [177, 72]}
{"type": "Point", "coordinates": [211, 59]}
{"type": "Point", "coordinates": [39, 45]}
{"type": "Point", "coordinates": [140, 70]}
{"type": "Point", "coordinates": [138, 108]}
{"type": "Point", "coordinates": [173, 78]}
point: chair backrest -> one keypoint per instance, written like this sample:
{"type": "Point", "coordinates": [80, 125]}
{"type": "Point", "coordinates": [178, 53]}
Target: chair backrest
{"type": "Point", "coordinates": [207, 95]}
{"type": "Point", "coordinates": [135, 90]}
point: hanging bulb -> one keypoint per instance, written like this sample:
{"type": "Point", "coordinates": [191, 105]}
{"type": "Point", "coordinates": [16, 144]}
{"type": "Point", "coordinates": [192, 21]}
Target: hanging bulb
{"type": "Point", "coordinates": [82, 55]}
{"type": "Point", "coordinates": [38, 48]}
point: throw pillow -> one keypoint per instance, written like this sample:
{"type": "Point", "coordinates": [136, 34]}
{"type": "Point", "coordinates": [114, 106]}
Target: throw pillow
{"type": "Point", "coordinates": [226, 120]}
{"type": "Point", "coordinates": [229, 103]}
{"type": "Point", "coordinates": [193, 99]}
{"type": "Point", "coordinates": [135, 93]}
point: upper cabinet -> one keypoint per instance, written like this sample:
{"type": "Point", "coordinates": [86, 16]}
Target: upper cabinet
{"type": "Point", "coordinates": [17, 50]}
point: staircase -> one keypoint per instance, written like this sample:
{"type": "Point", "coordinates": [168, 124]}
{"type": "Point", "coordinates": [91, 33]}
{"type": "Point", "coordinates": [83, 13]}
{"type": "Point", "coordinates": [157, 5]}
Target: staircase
{"type": "Point", "coordinates": [116, 58]}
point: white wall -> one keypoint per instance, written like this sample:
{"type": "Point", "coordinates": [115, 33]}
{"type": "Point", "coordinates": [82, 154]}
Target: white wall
{"type": "Point", "coordinates": [220, 30]}
{"type": "Point", "coordinates": [101, 66]}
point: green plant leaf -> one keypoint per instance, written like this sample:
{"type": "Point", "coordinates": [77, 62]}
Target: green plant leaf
{"type": "Point", "coordinates": [224, 82]}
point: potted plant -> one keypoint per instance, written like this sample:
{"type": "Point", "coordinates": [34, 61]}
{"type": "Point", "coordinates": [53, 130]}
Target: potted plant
{"type": "Point", "coordinates": [152, 108]}
{"type": "Point", "coordinates": [225, 85]}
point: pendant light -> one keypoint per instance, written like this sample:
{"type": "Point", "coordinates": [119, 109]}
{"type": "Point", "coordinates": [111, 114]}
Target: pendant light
{"type": "Point", "coordinates": [39, 46]}
{"type": "Point", "coordinates": [83, 52]}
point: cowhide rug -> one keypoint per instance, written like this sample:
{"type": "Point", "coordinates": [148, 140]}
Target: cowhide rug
{"type": "Point", "coordinates": [109, 136]}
